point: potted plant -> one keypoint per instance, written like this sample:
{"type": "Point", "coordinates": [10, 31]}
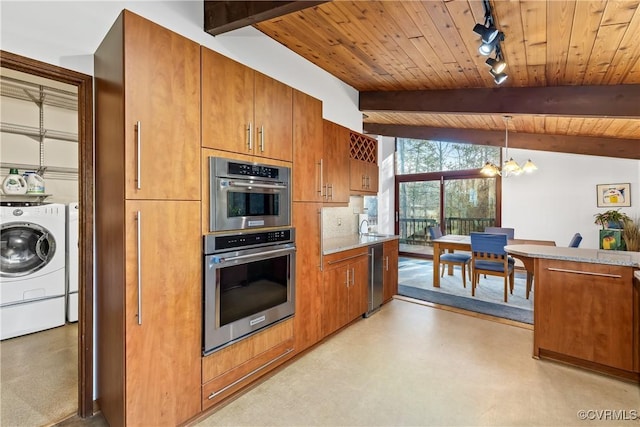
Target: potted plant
{"type": "Point", "coordinates": [612, 222]}
{"type": "Point", "coordinates": [631, 235]}
{"type": "Point", "coordinates": [612, 219]}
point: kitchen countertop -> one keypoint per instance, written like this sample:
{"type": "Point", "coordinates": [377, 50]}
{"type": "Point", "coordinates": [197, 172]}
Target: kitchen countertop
{"type": "Point", "coordinates": [352, 241]}
{"type": "Point", "coordinates": [593, 256]}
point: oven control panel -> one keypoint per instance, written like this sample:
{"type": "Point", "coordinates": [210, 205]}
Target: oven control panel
{"type": "Point", "coordinates": [226, 242]}
{"type": "Point", "coordinates": [253, 170]}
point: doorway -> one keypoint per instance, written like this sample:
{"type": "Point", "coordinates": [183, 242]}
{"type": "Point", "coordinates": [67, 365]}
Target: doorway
{"type": "Point", "coordinates": [84, 85]}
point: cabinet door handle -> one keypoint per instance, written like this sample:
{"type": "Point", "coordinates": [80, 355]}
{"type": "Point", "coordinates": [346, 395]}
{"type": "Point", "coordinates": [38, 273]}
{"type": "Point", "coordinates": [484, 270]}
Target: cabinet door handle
{"type": "Point", "coordinates": [347, 277]}
{"type": "Point", "coordinates": [320, 187]}
{"type": "Point", "coordinates": [138, 153]}
{"type": "Point", "coordinates": [586, 273]}
{"type": "Point", "coordinates": [387, 262]}
{"type": "Point", "coordinates": [353, 276]}
{"type": "Point", "coordinates": [261, 132]}
{"type": "Point", "coordinates": [139, 255]}
{"type": "Point", "coordinates": [250, 136]}
{"type": "Point", "coordinates": [320, 238]}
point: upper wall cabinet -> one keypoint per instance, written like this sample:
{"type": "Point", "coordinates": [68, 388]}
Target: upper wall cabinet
{"type": "Point", "coordinates": [335, 166]}
{"type": "Point", "coordinates": [363, 154]}
{"type": "Point", "coordinates": [244, 111]}
{"type": "Point", "coordinates": [150, 77]}
{"type": "Point", "coordinates": [307, 148]}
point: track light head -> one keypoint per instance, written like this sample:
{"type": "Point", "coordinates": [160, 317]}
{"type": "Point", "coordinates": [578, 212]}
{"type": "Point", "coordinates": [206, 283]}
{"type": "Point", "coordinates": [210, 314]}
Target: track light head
{"type": "Point", "coordinates": [488, 34]}
{"type": "Point", "coordinates": [498, 78]}
{"type": "Point", "coordinates": [497, 64]}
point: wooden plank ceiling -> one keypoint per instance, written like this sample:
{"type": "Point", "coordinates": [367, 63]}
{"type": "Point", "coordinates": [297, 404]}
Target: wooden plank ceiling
{"type": "Point", "coordinates": [419, 73]}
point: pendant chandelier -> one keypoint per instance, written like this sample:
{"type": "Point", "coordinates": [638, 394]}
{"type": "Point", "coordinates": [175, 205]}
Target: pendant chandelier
{"type": "Point", "coordinates": [510, 167]}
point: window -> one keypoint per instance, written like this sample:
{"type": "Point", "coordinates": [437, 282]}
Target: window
{"type": "Point", "coordinates": [439, 184]}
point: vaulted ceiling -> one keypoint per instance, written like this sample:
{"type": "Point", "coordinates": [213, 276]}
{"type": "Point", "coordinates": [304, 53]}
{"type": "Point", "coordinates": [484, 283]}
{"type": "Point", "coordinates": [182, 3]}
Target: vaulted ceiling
{"type": "Point", "coordinates": [573, 66]}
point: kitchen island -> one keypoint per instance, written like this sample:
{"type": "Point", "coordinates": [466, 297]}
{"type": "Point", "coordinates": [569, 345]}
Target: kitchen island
{"type": "Point", "coordinates": [586, 308]}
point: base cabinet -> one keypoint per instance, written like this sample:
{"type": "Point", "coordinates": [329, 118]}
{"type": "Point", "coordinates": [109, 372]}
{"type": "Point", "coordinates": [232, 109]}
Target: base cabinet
{"type": "Point", "coordinates": [307, 320]}
{"type": "Point", "coordinates": [345, 282]}
{"type": "Point", "coordinates": [230, 369]}
{"type": "Point", "coordinates": [587, 312]}
{"type": "Point", "coordinates": [390, 269]}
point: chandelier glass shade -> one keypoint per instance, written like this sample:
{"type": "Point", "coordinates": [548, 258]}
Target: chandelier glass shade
{"type": "Point", "coordinates": [510, 167]}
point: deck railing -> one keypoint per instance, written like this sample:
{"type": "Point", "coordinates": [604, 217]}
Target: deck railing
{"type": "Point", "coordinates": [414, 231]}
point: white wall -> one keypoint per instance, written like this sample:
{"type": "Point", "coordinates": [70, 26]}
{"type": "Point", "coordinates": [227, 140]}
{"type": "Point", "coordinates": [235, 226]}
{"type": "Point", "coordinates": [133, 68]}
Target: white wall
{"type": "Point", "coordinates": [67, 33]}
{"type": "Point", "coordinates": [559, 199]}
{"type": "Point", "coordinates": [386, 185]}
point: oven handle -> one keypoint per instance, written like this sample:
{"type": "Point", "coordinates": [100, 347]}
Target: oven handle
{"type": "Point", "coordinates": [221, 260]}
{"type": "Point", "coordinates": [244, 184]}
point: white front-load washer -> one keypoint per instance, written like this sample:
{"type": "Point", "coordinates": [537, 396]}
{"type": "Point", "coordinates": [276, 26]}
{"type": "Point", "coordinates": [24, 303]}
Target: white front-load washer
{"type": "Point", "coordinates": [72, 262]}
{"type": "Point", "coordinates": [32, 268]}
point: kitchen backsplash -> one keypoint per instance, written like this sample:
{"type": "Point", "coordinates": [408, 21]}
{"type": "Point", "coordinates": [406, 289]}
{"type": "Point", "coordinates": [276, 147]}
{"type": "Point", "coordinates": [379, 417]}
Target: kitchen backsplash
{"type": "Point", "coordinates": [338, 222]}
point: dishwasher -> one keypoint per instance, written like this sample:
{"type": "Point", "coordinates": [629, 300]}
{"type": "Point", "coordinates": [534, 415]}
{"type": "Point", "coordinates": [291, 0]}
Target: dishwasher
{"type": "Point", "coordinates": [375, 279]}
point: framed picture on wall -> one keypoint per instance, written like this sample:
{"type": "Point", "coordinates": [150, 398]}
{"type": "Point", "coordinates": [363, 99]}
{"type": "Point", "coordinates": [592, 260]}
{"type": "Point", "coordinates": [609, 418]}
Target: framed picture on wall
{"type": "Point", "coordinates": [613, 195]}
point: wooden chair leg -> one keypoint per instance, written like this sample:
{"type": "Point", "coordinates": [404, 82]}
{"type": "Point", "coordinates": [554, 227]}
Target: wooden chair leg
{"type": "Point", "coordinates": [505, 288]}
{"type": "Point", "coordinates": [473, 283]}
{"type": "Point", "coordinates": [464, 278]}
{"type": "Point", "coordinates": [512, 278]}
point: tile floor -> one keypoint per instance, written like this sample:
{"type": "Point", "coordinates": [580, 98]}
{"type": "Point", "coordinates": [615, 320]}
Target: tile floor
{"type": "Point", "coordinates": [413, 364]}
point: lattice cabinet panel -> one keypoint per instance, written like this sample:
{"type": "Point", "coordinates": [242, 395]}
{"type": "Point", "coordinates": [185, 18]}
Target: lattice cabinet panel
{"type": "Point", "coordinates": [362, 147]}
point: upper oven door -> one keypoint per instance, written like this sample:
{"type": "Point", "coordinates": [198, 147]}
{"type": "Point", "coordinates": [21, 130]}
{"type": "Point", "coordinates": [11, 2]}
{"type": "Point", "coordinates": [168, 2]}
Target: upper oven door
{"type": "Point", "coordinates": [239, 204]}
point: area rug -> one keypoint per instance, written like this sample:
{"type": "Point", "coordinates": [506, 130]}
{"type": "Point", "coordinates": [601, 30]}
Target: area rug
{"type": "Point", "coordinates": [415, 278]}
{"type": "Point", "coordinates": [470, 304]}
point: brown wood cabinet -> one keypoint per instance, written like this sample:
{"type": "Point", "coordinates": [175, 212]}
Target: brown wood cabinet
{"type": "Point", "coordinates": [335, 166]}
{"type": "Point", "coordinates": [363, 164]}
{"type": "Point", "coordinates": [148, 224]}
{"type": "Point", "coordinates": [228, 370]}
{"type": "Point", "coordinates": [244, 111]}
{"type": "Point", "coordinates": [585, 312]}
{"type": "Point", "coordinates": [309, 295]}
{"type": "Point", "coordinates": [345, 281]}
{"type": "Point", "coordinates": [363, 177]}
{"type": "Point", "coordinates": [390, 269]}
{"type": "Point", "coordinates": [308, 148]}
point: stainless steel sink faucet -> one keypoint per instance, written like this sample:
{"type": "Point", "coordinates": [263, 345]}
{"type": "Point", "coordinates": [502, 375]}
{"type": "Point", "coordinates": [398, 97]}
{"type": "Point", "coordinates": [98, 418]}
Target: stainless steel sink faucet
{"type": "Point", "coordinates": [360, 233]}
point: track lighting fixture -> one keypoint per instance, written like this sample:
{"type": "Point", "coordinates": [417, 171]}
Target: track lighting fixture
{"type": "Point", "coordinates": [491, 38]}
{"type": "Point", "coordinates": [496, 65]}
{"type": "Point", "coordinates": [498, 78]}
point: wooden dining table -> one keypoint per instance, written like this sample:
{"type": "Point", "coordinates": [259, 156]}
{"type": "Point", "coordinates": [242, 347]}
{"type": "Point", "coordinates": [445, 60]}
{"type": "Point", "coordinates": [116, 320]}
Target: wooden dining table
{"type": "Point", "coordinates": [457, 242]}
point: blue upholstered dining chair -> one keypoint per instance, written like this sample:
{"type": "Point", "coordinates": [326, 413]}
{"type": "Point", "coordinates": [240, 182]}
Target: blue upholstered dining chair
{"type": "Point", "coordinates": [461, 259]}
{"type": "Point", "coordinates": [489, 257]}
{"type": "Point", "coordinates": [575, 240]}
{"type": "Point", "coordinates": [510, 232]}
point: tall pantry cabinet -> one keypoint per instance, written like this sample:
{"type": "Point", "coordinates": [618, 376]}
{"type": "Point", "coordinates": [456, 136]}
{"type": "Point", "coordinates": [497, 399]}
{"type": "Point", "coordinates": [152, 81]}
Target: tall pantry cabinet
{"type": "Point", "coordinates": [148, 224]}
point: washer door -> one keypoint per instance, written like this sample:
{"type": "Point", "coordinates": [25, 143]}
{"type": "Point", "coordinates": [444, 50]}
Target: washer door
{"type": "Point", "coordinates": [25, 248]}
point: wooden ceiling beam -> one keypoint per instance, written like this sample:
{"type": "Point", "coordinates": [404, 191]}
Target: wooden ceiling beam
{"type": "Point", "coordinates": [595, 146]}
{"type": "Point", "coordinates": [580, 101]}
{"type": "Point", "coordinates": [223, 16]}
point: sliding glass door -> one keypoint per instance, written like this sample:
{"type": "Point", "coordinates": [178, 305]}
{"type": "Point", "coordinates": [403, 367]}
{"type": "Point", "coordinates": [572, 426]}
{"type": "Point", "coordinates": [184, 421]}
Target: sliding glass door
{"type": "Point", "coordinates": [439, 184]}
{"type": "Point", "coordinates": [455, 205]}
{"type": "Point", "coordinates": [469, 205]}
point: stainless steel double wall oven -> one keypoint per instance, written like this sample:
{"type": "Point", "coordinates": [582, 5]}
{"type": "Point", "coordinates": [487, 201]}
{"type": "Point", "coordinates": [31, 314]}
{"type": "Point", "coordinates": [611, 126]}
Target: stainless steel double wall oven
{"type": "Point", "coordinates": [249, 256]}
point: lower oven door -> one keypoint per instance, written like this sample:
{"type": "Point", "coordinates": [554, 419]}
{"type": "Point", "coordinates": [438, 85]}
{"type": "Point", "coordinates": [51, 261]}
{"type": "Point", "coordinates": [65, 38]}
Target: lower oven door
{"type": "Point", "coordinates": [245, 291]}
